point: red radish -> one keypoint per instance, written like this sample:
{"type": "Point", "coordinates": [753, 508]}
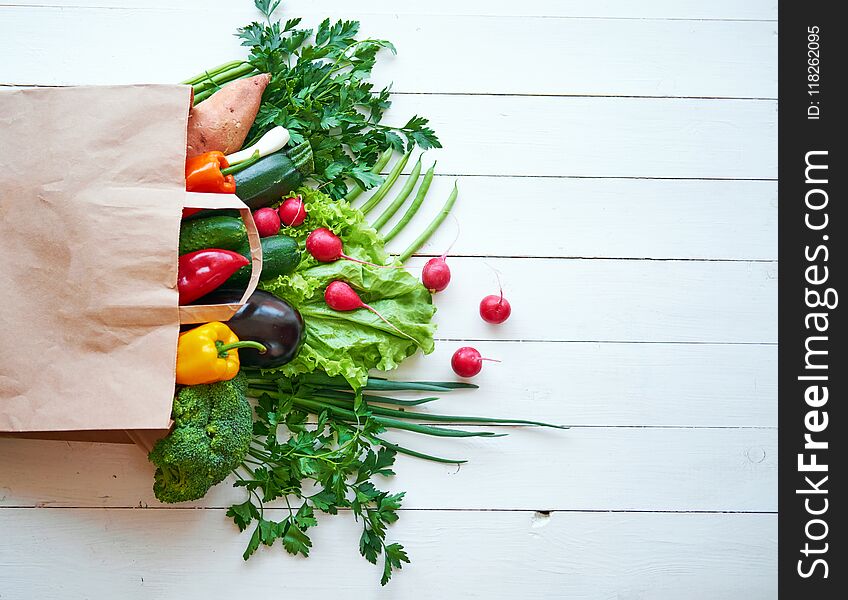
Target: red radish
{"type": "Point", "coordinates": [495, 309]}
{"type": "Point", "coordinates": [467, 362]}
{"type": "Point", "coordinates": [292, 212]}
{"type": "Point", "coordinates": [326, 246]}
{"type": "Point", "coordinates": [341, 297]}
{"type": "Point", "coordinates": [437, 274]}
{"type": "Point", "coordinates": [267, 222]}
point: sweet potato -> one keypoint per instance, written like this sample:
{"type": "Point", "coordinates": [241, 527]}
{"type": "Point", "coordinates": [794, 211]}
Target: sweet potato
{"type": "Point", "coordinates": [222, 121]}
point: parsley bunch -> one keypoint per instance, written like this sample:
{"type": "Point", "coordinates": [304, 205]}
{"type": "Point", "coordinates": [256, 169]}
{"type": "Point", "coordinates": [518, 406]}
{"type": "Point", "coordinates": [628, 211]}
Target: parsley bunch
{"type": "Point", "coordinates": [320, 93]}
{"type": "Point", "coordinates": [336, 462]}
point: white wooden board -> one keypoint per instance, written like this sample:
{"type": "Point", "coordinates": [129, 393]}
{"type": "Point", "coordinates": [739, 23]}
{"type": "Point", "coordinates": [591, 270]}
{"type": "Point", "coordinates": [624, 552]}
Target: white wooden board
{"type": "Point", "coordinates": [617, 165]}
{"type": "Point", "coordinates": [664, 58]}
{"type": "Point", "coordinates": [143, 554]}
{"type": "Point", "coordinates": [600, 137]}
{"type": "Point", "coordinates": [722, 10]}
{"type": "Point", "coordinates": [612, 300]}
{"type": "Point", "coordinates": [591, 218]}
{"type": "Point", "coordinates": [587, 468]}
{"type": "Point", "coordinates": [655, 138]}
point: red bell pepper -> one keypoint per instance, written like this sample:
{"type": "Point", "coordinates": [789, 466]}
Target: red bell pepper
{"type": "Point", "coordinates": [203, 271]}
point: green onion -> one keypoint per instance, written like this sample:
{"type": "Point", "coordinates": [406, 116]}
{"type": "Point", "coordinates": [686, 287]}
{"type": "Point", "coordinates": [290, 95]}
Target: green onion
{"type": "Point", "coordinates": [413, 208]}
{"type": "Point", "coordinates": [425, 235]}
{"type": "Point", "coordinates": [379, 384]}
{"type": "Point", "coordinates": [236, 168]}
{"type": "Point", "coordinates": [401, 197]}
{"type": "Point", "coordinates": [317, 407]}
{"type": "Point", "coordinates": [405, 414]}
{"type": "Point", "coordinates": [386, 186]}
{"type": "Point", "coordinates": [324, 393]}
{"type": "Point", "coordinates": [385, 385]}
{"type": "Point", "coordinates": [381, 162]}
{"type": "Point", "coordinates": [415, 453]}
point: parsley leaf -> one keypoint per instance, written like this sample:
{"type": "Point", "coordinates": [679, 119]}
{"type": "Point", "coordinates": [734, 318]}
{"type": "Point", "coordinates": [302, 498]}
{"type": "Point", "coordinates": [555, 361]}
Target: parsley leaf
{"type": "Point", "coordinates": [296, 541]}
{"type": "Point", "coordinates": [320, 93]}
{"type": "Point", "coordinates": [395, 556]}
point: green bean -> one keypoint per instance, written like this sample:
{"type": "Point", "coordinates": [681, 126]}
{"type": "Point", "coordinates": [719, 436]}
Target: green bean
{"type": "Point", "coordinates": [381, 162]}
{"type": "Point", "coordinates": [416, 204]}
{"type": "Point", "coordinates": [392, 208]}
{"type": "Point", "coordinates": [214, 82]}
{"type": "Point", "coordinates": [205, 93]}
{"type": "Point", "coordinates": [387, 185]}
{"type": "Point", "coordinates": [212, 72]}
{"type": "Point", "coordinates": [425, 235]}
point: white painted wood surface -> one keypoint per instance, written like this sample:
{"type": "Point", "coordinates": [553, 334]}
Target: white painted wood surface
{"type": "Point", "coordinates": [126, 555]}
{"type": "Point", "coordinates": [575, 56]}
{"type": "Point", "coordinates": [636, 237]}
{"type": "Point", "coordinates": [591, 468]}
{"type": "Point", "coordinates": [603, 218]}
{"type": "Point", "coordinates": [722, 10]}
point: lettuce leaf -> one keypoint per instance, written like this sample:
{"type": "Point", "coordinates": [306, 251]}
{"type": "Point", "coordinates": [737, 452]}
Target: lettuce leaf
{"type": "Point", "coordinates": [351, 343]}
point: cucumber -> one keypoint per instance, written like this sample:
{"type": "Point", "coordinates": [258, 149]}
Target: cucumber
{"type": "Point", "coordinates": [274, 176]}
{"type": "Point", "coordinates": [227, 233]}
{"type": "Point", "coordinates": [280, 256]}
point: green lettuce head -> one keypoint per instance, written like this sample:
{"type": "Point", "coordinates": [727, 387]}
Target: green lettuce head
{"type": "Point", "coordinates": [352, 343]}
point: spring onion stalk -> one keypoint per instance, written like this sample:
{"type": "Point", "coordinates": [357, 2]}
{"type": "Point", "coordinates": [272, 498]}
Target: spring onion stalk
{"type": "Point", "coordinates": [267, 385]}
{"type": "Point", "coordinates": [374, 383]}
{"type": "Point", "coordinates": [405, 414]}
{"type": "Point", "coordinates": [323, 393]}
{"type": "Point", "coordinates": [425, 235]}
{"type": "Point", "coordinates": [379, 164]}
{"type": "Point", "coordinates": [389, 423]}
{"type": "Point", "coordinates": [273, 140]}
{"type": "Point", "coordinates": [415, 453]}
{"type": "Point", "coordinates": [241, 165]}
{"type": "Point", "coordinates": [392, 208]}
{"type": "Point", "coordinates": [387, 185]}
{"type": "Point", "coordinates": [413, 208]}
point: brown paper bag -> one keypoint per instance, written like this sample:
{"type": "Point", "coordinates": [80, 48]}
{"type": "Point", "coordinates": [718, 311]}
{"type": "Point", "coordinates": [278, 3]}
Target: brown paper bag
{"type": "Point", "coordinates": [92, 186]}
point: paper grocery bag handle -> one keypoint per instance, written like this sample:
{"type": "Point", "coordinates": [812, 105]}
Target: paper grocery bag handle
{"type": "Point", "coordinates": [223, 312]}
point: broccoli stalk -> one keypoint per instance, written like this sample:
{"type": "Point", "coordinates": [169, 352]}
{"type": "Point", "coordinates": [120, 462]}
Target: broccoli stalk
{"type": "Point", "coordinates": [213, 426]}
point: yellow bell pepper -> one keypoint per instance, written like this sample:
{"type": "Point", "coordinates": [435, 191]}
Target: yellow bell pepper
{"type": "Point", "coordinates": [209, 353]}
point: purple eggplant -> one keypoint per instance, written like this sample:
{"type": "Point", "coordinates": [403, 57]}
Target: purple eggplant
{"type": "Point", "coordinates": [265, 319]}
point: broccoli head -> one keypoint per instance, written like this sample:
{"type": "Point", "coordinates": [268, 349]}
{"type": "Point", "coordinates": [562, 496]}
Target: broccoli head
{"type": "Point", "coordinates": [213, 425]}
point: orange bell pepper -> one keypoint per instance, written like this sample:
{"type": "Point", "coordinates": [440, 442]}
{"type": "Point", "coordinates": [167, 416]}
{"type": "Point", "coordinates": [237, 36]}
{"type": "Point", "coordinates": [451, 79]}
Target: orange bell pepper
{"type": "Point", "coordinates": [203, 174]}
{"type": "Point", "coordinates": [211, 173]}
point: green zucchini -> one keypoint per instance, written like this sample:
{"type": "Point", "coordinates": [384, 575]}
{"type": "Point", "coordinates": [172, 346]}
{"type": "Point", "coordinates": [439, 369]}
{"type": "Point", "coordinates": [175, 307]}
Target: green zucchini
{"type": "Point", "coordinates": [227, 233]}
{"type": "Point", "coordinates": [280, 256]}
{"type": "Point", "coordinates": [268, 180]}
